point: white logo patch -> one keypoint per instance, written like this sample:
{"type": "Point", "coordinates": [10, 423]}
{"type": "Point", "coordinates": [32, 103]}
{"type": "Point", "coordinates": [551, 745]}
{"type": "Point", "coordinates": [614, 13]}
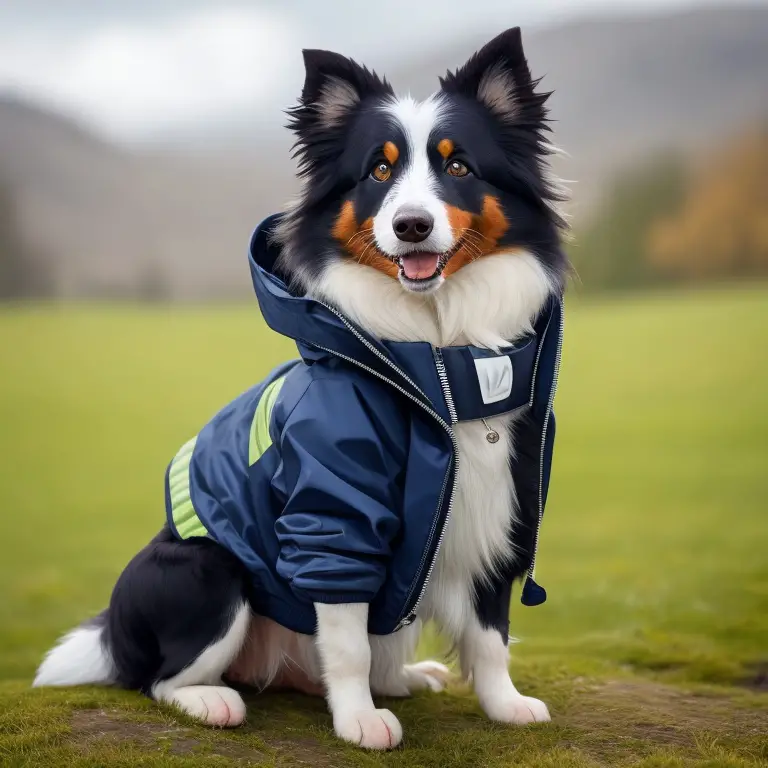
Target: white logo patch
{"type": "Point", "coordinates": [494, 375]}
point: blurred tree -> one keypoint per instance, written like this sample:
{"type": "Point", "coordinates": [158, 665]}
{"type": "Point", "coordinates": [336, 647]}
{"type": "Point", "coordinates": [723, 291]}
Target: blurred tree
{"type": "Point", "coordinates": [21, 273]}
{"type": "Point", "coordinates": [722, 228]}
{"type": "Point", "coordinates": [611, 252]}
{"type": "Point", "coordinates": [153, 284]}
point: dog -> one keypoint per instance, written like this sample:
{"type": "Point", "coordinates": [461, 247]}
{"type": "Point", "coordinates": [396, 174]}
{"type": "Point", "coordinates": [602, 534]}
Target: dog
{"type": "Point", "coordinates": [396, 473]}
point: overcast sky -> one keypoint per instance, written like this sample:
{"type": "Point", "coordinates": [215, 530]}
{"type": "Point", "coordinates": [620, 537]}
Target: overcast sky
{"type": "Point", "coordinates": [144, 69]}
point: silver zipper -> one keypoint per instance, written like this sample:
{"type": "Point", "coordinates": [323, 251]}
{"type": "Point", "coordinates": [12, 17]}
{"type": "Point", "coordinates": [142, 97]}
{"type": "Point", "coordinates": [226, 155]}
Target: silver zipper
{"type": "Point", "coordinates": [550, 403]}
{"type": "Point", "coordinates": [448, 428]}
{"type": "Point", "coordinates": [536, 363]}
{"type": "Point", "coordinates": [443, 376]}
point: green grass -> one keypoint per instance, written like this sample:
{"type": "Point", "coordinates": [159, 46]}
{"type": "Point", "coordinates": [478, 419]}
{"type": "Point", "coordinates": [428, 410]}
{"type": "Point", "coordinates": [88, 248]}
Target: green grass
{"type": "Point", "coordinates": [651, 651]}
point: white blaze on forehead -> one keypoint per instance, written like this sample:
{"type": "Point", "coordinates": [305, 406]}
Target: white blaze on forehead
{"type": "Point", "coordinates": [417, 185]}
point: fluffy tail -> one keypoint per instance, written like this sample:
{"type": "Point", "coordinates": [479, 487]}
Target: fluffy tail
{"type": "Point", "coordinates": [80, 658]}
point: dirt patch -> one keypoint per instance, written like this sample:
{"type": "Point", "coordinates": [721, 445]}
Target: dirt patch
{"type": "Point", "coordinates": [92, 725]}
{"type": "Point", "coordinates": [305, 751]}
{"type": "Point", "coordinates": [629, 711]}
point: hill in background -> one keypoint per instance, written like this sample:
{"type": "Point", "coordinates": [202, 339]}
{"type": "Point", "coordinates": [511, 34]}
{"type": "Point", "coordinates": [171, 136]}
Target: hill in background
{"type": "Point", "coordinates": [627, 88]}
{"type": "Point", "coordinates": [120, 221]}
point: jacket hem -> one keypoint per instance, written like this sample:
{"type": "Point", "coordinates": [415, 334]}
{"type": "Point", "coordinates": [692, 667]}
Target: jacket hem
{"type": "Point", "coordinates": [304, 622]}
{"type": "Point", "coordinates": [332, 598]}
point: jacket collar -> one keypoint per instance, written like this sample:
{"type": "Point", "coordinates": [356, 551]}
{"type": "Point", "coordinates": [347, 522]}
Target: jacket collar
{"type": "Point", "coordinates": [481, 383]}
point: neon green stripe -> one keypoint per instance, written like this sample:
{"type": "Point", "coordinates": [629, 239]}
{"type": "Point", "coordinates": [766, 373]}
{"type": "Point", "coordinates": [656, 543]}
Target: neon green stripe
{"type": "Point", "coordinates": [260, 439]}
{"type": "Point", "coordinates": [185, 518]}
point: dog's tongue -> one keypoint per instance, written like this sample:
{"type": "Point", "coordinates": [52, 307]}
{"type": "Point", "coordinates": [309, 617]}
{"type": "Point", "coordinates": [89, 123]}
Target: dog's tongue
{"type": "Point", "coordinates": [418, 266]}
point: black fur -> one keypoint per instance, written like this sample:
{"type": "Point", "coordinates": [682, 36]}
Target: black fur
{"type": "Point", "coordinates": [332, 160]}
{"type": "Point", "coordinates": [522, 139]}
{"type": "Point", "coordinates": [316, 146]}
{"type": "Point", "coordinates": [491, 602]}
{"type": "Point", "coordinates": [172, 600]}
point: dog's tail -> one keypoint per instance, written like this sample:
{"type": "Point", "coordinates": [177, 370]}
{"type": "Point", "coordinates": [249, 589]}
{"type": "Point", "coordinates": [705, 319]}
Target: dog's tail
{"type": "Point", "coordinates": [80, 658]}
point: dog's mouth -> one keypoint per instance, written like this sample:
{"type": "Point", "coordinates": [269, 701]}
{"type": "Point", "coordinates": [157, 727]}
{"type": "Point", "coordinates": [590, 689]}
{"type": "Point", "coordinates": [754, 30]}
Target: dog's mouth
{"type": "Point", "coordinates": [419, 265]}
{"type": "Point", "coordinates": [423, 267]}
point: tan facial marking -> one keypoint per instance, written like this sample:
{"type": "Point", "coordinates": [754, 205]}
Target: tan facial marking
{"type": "Point", "coordinates": [357, 240]}
{"type": "Point", "coordinates": [480, 233]}
{"type": "Point", "coordinates": [445, 148]}
{"type": "Point", "coordinates": [459, 219]}
{"type": "Point", "coordinates": [346, 224]}
{"type": "Point", "coordinates": [391, 152]}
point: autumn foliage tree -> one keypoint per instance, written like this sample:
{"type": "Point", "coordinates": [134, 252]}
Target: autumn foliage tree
{"type": "Point", "coordinates": [721, 229]}
{"type": "Point", "coordinates": [610, 252]}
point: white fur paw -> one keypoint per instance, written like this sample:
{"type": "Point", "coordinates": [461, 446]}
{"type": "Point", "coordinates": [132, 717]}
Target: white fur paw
{"type": "Point", "coordinates": [370, 729]}
{"type": "Point", "coordinates": [427, 674]}
{"type": "Point", "coordinates": [211, 704]}
{"type": "Point", "coordinates": [519, 710]}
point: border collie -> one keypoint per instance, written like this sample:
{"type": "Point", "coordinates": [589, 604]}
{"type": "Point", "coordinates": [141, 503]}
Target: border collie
{"type": "Point", "coordinates": [397, 471]}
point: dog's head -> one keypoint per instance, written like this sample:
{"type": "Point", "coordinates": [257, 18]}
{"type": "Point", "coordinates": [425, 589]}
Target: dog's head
{"type": "Point", "coordinates": [420, 190]}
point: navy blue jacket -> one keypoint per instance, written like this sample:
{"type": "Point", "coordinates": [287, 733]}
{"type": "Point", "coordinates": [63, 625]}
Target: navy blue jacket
{"type": "Point", "coordinates": [332, 479]}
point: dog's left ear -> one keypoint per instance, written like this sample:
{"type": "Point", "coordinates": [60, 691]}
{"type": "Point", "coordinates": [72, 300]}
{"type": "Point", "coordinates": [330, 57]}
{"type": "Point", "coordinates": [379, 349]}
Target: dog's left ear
{"type": "Point", "coordinates": [499, 78]}
{"type": "Point", "coordinates": [333, 87]}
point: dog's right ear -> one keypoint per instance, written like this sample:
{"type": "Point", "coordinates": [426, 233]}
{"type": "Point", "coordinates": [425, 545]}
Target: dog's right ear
{"type": "Point", "coordinates": [498, 77]}
{"type": "Point", "coordinates": [334, 87]}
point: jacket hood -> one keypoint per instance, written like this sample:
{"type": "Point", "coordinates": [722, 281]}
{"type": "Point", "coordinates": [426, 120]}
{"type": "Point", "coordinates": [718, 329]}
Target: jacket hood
{"type": "Point", "coordinates": [296, 316]}
{"type": "Point", "coordinates": [316, 328]}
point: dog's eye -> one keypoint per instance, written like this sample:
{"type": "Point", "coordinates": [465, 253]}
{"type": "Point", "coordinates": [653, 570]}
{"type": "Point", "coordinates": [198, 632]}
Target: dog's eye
{"type": "Point", "coordinates": [381, 171]}
{"type": "Point", "coordinates": [456, 168]}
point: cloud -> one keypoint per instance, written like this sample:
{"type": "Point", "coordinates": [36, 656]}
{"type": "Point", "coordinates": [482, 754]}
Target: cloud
{"type": "Point", "coordinates": [170, 69]}
{"type": "Point", "coordinates": [137, 81]}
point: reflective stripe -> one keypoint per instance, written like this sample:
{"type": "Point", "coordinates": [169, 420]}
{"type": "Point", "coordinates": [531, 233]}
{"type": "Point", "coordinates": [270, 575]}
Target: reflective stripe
{"type": "Point", "coordinates": [185, 518]}
{"type": "Point", "coordinates": [260, 439]}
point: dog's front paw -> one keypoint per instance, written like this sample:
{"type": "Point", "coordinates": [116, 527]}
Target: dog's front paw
{"type": "Point", "coordinates": [369, 728]}
{"type": "Point", "coordinates": [519, 710]}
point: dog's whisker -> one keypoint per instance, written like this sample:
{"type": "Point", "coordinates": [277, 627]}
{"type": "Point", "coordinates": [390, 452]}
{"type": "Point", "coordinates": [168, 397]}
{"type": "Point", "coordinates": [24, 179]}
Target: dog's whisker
{"type": "Point", "coordinates": [367, 248]}
{"type": "Point", "coordinates": [475, 232]}
{"type": "Point", "coordinates": [359, 233]}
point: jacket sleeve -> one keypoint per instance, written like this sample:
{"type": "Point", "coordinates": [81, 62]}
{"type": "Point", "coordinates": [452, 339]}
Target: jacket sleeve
{"type": "Point", "coordinates": [339, 472]}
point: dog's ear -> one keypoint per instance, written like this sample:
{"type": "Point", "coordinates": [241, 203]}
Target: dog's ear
{"type": "Point", "coordinates": [334, 85]}
{"type": "Point", "coordinates": [334, 88]}
{"type": "Point", "coordinates": [499, 78]}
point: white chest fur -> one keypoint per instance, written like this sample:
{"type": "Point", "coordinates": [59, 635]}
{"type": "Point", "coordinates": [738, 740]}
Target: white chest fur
{"type": "Point", "coordinates": [477, 535]}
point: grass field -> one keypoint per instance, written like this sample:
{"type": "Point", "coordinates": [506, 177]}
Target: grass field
{"type": "Point", "coordinates": [651, 651]}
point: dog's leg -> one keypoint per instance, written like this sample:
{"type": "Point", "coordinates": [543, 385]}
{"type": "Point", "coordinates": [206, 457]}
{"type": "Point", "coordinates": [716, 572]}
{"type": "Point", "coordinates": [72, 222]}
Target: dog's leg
{"type": "Point", "coordinates": [198, 689]}
{"type": "Point", "coordinates": [392, 670]}
{"type": "Point", "coordinates": [177, 618]}
{"type": "Point", "coordinates": [485, 657]}
{"type": "Point", "coordinates": [345, 655]}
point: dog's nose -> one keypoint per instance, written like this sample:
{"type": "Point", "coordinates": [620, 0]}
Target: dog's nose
{"type": "Point", "coordinates": [412, 224]}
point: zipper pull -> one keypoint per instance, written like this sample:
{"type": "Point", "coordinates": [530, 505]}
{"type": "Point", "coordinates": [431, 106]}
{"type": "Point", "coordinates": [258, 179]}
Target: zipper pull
{"type": "Point", "coordinates": [492, 435]}
{"type": "Point", "coordinates": [533, 594]}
